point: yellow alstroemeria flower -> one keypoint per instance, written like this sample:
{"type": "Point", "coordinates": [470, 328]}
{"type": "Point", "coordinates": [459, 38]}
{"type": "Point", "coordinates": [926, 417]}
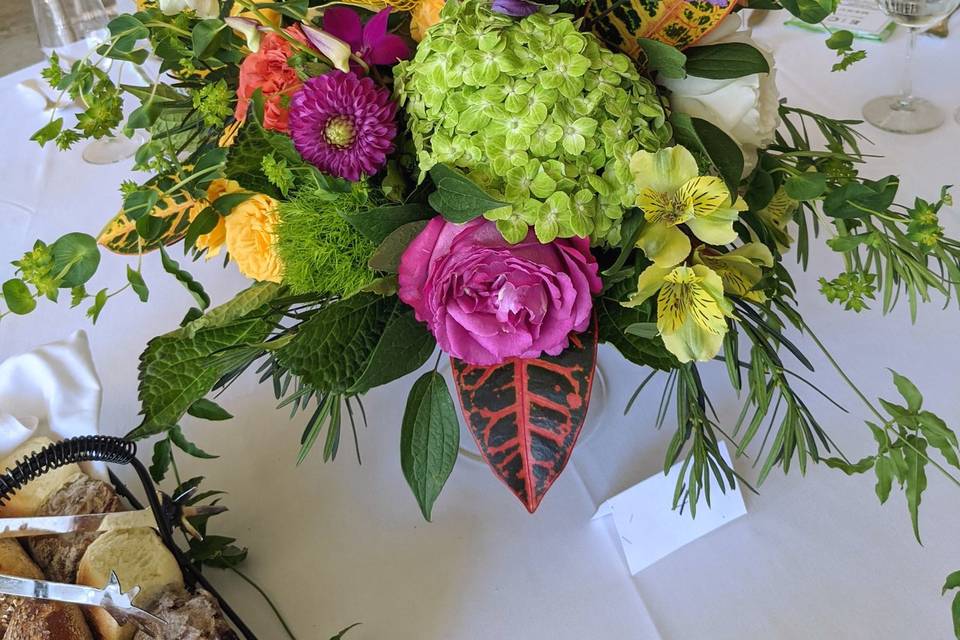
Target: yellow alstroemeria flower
{"type": "Point", "coordinates": [672, 192]}
{"type": "Point", "coordinates": [777, 215]}
{"type": "Point", "coordinates": [740, 269]}
{"type": "Point", "coordinates": [691, 309]}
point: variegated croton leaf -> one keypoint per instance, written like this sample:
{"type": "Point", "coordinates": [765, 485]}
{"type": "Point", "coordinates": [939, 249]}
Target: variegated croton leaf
{"type": "Point", "coordinates": [526, 414]}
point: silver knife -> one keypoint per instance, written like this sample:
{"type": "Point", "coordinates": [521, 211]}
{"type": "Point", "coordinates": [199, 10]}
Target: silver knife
{"type": "Point", "coordinates": [111, 598]}
{"type": "Point", "coordinates": [92, 522]}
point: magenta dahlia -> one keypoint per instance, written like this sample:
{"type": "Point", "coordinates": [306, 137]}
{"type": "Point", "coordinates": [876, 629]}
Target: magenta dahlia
{"type": "Point", "coordinates": [343, 124]}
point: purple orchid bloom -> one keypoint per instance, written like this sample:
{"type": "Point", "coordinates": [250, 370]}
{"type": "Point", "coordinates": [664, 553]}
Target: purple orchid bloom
{"type": "Point", "coordinates": [515, 8]}
{"type": "Point", "coordinates": [370, 42]}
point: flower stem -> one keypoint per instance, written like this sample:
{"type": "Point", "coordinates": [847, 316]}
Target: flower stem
{"type": "Point", "coordinates": [264, 595]}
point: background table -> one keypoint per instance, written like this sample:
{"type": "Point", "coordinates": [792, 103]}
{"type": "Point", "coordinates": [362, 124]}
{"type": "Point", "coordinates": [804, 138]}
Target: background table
{"type": "Point", "coordinates": [339, 543]}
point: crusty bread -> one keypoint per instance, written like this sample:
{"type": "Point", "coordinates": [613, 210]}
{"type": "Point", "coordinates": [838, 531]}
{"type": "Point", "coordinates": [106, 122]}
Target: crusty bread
{"type": "Point", "coordinates": [59, 556]}
{"type": "Point", "coordinates": [139, 558]}
{"type": "Point", "coordinates": [45, 620]}
{"type": "Point", "coordinates": [28, 499]}
{"type": "Point", "coordinates": [25, 619]}
{"type": "Point", "coordinates": [189, 616]}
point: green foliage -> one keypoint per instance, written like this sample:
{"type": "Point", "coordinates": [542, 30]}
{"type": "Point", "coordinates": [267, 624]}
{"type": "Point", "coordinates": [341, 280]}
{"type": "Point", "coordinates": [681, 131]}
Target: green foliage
{"type": "Point", "coordinates": [842, 43]}
{"type": "Point", "coordinates": [616, 323]}
{"type": "Point", "coordinates": [18, 297]}
{"type": "Point", "coordinates": [852, 290]}
{"type": "Point", "coordinates": [663, 58]}
{"type": "Point", "coordinates": [179, 368]}
{"type": "Point", "coordinates": [429, 439]}
{"type": "Point", "coordinates": [214, 103]}
{"type": "Point", "coordinates": [320, 250]}
{"type": "Point", "coordinates": [812, 11]}
{"type": "Point", "coordinates": [457, 198]}
{"type": "Point", "coordinates": [172, 267]}
{"type": "Point", "coordinates": [725, 60]}
{"type": "Point", "coordinates": [208, 410]}
{"type": "Point", "coordinates": [712, 143]}
{"type": "Point", "coordinates": [904, 440]}
{"type": "Point", "coordinates": [536, 113]}
{"type": "Point", "coordinates": [953, 582]}
{"type": "Point", "coordinates": [387, 256]}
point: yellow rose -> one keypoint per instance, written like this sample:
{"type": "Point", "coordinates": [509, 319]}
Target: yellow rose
{"type": "Point", "coordinates": [213, 242]}
{"type": "Point", "coordinates": [424, 15]}
{"type": "Point", "coordinates": [251, 239]}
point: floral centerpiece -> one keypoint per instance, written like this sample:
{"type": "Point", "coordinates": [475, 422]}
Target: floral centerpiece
{"type": "Point", "coordinates": [509, 182]}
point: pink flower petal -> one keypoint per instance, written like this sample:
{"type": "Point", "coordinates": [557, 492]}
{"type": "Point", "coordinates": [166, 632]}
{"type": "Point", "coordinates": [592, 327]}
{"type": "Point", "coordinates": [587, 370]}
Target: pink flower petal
{"type": "Point", "coordinates": [345, 24]}
{"type": "Point", "coordinates": [390, 49]}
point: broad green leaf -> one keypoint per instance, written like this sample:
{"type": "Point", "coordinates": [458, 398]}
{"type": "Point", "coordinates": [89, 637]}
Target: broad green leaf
{"type": "Point", "coordinates": [162, 456]}
{"type": "Point", "coordinates": [205, 222]}
{"type": "Point", "coordinates": [135, 278]}
{"type": "Point", "coordinates": [861, 466]}
{"type": "Point", "coordinates": [916, 483]}
{"type": "Point", "coordinates": [377, 224]}
{"type": "Point", "coordinates": [18, 297]}
{"type": "Point", "coordinates": [181, 367]}
{"type": "Point", "coordinates": [126, 30]}
{"type": "Point", "coordinates": [140, 203]}
{"type": "Point", "coordinates": [402, 348]}
{"type": "Point", "coordinates": [172, 267]}
{"type": "Point", "coordinates": [725, 60]}
{"type": "Point", "coordinates": [805, 186]}
{"type": "Point", "coordinates": [244, 303]}
{"type": "Point", "coordinates": [229, 201]}
{"type": "Point", "coordinates": [429, 439]}
{"type": "Point", "coordinates": [884, 470]}
{"type": "Point", "coordinates": [662, 58]}
{"type": "Point", "coordinates": [207, 37]}
{"type": "Point", "coordinates": [331, 350]}
{"type": "Point", "coordinates": [208, 410]}
{"type": "Point", "coordinates": [387, 256]}
{"type": "Point", "coordinates": [177, 438]}
{"type": "Point", "coordinates": [724, 154]}
{"type": "Point", "coordinates": [149, 228]}
{"type": "Point", "coordinates": [614, 319]}
{"type": "Point", "coordinates": [457, 198]}
{"type": "Point", "coordinates": [76, 257]}
{"type": "Point", "coordinates": [909, 392]}
{"type": "Point", "coordinates": [646, 330]}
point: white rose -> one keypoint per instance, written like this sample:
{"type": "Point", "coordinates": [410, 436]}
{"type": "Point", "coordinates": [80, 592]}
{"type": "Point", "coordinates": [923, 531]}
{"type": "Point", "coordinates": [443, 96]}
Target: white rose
{"type": "Point", "coordinates": [745, 108]}
{"type": "Point", "coordinates": [203, 8]}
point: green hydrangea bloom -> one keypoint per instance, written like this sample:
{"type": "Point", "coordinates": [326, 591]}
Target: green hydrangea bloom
{"type": "Point", "coordinates": [537, 113]}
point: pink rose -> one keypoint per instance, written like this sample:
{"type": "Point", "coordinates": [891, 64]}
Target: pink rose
{"type": "Point", "coordinates": [486, 300]}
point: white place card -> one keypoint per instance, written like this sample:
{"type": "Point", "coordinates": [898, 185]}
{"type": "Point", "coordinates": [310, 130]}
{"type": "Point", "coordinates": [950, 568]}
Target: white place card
{"type": "Point", "coordinates": [649, 529]}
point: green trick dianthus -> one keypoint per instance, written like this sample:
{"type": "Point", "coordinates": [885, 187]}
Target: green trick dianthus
{"type": "Point", "coordinates": [322, 252]}
{"type": "Point", "coordinates": [537, 113]}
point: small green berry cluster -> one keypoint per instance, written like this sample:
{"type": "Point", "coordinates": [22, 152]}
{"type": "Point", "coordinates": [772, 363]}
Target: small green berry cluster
{"type": "Point", "coordinates": [924, 226]}
{"type": "Point", "coordinates": [537, 113]}
{"type": "Point", "coordinates": [36, 267]}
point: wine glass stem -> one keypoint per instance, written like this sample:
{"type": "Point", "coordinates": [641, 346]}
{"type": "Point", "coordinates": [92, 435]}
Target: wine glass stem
{"type": "Point", "coordinates": [906, 91]}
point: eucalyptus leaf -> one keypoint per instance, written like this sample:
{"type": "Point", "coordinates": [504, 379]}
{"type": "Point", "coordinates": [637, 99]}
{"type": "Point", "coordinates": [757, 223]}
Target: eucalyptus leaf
{"type": "Point", "coordinates": [429, 439]}
{"type": "Point", "coordinates": [76, 257]}
{"type": "Point", "coordinates": [18, 297]}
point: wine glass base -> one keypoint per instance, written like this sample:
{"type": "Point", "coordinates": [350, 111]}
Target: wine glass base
{"type": "Point", "coordinates": [112, 149]}
{"type": "Point", "coordinates": [890, 113]}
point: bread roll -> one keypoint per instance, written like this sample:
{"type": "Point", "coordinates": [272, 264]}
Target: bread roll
{"type": "Point", "coordinates": [139, 558]}
{"type": "Point", "coordinates": [28, 499]}
{"type": "Point", "coordinates": [26, 619]}
{"type": "Point", "coordinates": [189, 617]}
{"type": "Point", "coordinates": [59, 556]}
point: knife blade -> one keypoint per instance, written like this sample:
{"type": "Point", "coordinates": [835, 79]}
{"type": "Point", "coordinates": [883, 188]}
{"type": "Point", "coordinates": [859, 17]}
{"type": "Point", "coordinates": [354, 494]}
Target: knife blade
{"type": "Point", "coordinates": [92, 522]}
{"type": "Point", "coordinates": [111, 598]}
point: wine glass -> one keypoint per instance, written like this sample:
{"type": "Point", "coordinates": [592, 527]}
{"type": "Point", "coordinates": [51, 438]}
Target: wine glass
{"type": "Point", "coordinates": [906, 113]}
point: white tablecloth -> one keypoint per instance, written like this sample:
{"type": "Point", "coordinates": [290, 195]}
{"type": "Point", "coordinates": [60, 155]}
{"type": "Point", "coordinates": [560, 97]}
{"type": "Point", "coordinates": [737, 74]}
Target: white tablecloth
{"type": "Point", "coordinates": [340, 543]}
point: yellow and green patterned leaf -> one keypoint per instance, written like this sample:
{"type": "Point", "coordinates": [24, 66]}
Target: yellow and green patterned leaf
{"type": "Point", "coordinates": [678, 23]}
{"type": "Point", "coordinates": [120, 234]}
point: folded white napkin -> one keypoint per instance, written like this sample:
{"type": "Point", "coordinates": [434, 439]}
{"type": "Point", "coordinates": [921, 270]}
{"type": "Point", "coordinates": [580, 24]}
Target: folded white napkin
{"type": "Point", "coordinates": [51, 391]}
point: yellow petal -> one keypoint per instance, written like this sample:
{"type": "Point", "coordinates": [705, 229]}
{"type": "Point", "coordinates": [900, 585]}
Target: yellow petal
{"type": "Point", "coordinates": [703, 195]}
{"type": "Point", "coordinates": [664, 171]}
{"type": "Point", "coordinates": [716, 228]}
{"type": "Point", "coordinates": [692, 343]}
{"type": "Point", "coordinates": [691, 313]}
{"type": "Point", "coordinates": [665, 245]}
{"type": "Point", "coordinates": [648, 284]}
